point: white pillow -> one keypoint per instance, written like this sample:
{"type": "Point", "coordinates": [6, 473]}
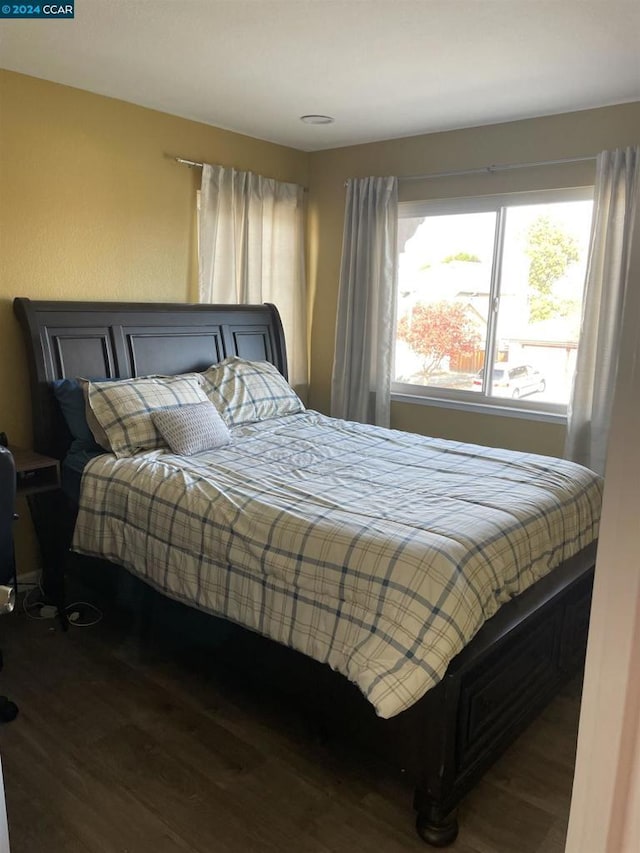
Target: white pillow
{"type": "Point", "coordinates": [248, 391]}
{"type": "Point", "coordinates": [192, 429]}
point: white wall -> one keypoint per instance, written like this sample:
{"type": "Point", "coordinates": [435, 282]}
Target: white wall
{"type": "Point", "coordinates": [605, 809]}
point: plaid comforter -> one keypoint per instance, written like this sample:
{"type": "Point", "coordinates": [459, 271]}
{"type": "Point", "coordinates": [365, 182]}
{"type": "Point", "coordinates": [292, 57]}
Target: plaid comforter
{"type": "Point", "coordinates": [378, 552]}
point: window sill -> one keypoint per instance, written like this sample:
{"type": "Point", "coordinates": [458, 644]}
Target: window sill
{"type": "Point", "coordinates": [483, 408]}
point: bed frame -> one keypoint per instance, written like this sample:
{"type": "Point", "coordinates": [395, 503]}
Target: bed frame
{"type": "Point", "coordinates": [492, 690]}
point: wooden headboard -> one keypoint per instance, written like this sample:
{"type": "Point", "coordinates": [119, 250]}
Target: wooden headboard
{"type": "Point", "coordinates": [121, 340]}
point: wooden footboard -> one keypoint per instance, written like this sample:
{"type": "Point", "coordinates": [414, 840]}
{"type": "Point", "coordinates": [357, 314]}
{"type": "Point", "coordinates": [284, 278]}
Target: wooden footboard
{"type": "Point", "coordinates": [493, 690]}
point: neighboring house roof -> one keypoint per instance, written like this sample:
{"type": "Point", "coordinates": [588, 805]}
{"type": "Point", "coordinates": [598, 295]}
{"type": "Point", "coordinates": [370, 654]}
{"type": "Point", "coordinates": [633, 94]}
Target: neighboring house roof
{"type": "Point", "coordinates": [557, 331]}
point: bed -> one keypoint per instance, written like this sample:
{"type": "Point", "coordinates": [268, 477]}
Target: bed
{"type": "Point", "coordinates": [441, 712]}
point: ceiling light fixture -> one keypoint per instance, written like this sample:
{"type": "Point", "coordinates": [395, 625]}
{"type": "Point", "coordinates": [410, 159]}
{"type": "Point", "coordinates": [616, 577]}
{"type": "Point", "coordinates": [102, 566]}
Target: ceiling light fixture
{"type": "Point", "coordinates": [317, 119]}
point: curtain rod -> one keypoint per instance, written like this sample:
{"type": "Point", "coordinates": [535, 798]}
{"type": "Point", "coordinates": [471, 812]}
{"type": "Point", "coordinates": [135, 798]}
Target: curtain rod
{"type": "Point", "coordinates": [495, 167]}
{"type": "Point", "coordinates": [195, 165]}
{"type": "Point", "coordinates": [188, 162]}
{"type": "Point", "coordinates": [483, 170]}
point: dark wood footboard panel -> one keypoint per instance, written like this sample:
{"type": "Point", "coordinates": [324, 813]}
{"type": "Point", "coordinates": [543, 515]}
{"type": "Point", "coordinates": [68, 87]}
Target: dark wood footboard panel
{"type": "Point", "coordinates": [493, 690]}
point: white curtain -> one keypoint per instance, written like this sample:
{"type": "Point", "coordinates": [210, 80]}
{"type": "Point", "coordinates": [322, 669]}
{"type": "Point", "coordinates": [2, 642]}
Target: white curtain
{"type": "Point", "coordinates": [615, 202]}
{"type": "Point", "coordinates": [251, 250]}
{"type": "Point", "coordinates": [361, 385]}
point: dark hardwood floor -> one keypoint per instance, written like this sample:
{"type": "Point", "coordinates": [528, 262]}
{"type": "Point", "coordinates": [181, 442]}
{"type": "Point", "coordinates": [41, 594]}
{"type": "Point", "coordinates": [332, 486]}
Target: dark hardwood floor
{"type": "Point", "coordinates": [125, 746]}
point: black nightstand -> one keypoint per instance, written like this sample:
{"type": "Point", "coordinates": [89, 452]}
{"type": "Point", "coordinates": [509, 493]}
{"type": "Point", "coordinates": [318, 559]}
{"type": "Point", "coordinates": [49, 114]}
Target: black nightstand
{"type": "Point", "coordinates": [38, 479]}
{"type": "Point", "coordinates": [35, 472]}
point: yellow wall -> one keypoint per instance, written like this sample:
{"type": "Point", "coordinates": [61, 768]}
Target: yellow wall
{"type": "Point", "coordinates": [549, 138]}
{"type": "Point", "coordinates": [92, 208]}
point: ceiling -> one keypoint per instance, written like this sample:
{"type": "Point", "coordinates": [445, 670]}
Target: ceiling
{"type": "Point", "coordinates": [381, 68]}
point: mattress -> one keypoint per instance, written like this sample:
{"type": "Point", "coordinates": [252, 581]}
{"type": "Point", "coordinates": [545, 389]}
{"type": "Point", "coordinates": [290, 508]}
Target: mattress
{"type": "Point", "coordinates": [378, 552]}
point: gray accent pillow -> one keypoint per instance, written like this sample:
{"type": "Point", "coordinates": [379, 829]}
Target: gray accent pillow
{"type": "Point", "coordinates": [191, 429]}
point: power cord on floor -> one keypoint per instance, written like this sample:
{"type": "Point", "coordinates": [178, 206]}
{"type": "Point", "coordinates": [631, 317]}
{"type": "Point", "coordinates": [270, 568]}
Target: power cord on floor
{"type": "Point", "coordinates": [49, 611]}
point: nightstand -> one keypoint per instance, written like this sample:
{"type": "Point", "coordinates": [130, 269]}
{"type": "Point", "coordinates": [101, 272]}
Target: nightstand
{"type": "Point", "coordinates": [38, 479]}
{"type": "Point", "coordinates": [35, 472]}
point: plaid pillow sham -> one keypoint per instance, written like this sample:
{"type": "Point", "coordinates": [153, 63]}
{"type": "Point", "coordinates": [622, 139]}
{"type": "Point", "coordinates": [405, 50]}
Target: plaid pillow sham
{"type": "Point", "coordinates": [95, 428]}
{"type": "Point", "coordinates": [248, 391]}
{"type": "Point", "coordinates": [123, 409]}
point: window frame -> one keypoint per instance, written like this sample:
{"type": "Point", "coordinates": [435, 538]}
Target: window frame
{"type": "Point", "coordinates": [481, 400]}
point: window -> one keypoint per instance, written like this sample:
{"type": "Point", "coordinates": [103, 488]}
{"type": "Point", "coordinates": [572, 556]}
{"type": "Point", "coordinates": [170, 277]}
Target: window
{"type": "Point", "coordinates": [492, 281]}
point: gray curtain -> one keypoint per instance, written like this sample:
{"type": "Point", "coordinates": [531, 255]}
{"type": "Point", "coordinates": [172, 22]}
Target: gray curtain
{"type": "Point", "coordinates": [615, 203]}
{"type": "Point", "coordinates": [361, 384]}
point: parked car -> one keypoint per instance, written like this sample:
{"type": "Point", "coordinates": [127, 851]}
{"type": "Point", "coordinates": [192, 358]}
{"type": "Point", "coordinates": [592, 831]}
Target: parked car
{"type": "Point", "coordinates": [512, 380]}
